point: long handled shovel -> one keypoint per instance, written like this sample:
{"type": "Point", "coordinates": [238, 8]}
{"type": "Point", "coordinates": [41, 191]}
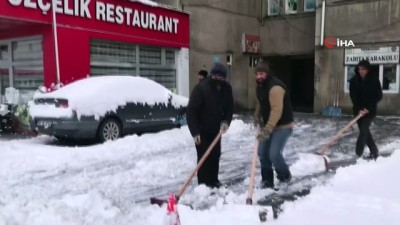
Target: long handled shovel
{"type": "Point", "coordinates": [339, 134]}
{"type": "Point", "coordinates": [263, 212]}
{"type": "Point", "coordinates": [186, 184]}
{"type": "Point", "coordinates": [249, 199]}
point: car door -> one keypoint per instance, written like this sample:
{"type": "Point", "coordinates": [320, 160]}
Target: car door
{"type": "Point", "coordinates": [163, 116]}
{"type": "Point", "coordinates": [134, 116]}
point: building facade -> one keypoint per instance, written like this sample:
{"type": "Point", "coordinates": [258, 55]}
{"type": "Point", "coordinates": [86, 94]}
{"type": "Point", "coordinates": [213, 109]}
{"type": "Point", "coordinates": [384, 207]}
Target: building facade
{"type": "Point", "coordinates": [288, 33]}
{"type": "Point", "coordinates": [238, 33]}
{"type": "Point", "coordinates": [45, 44]}
{"type": "Point", "coordinates": [361, 30]}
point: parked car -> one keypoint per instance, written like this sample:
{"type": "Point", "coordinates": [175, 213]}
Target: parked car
{"type": "Point", "coordinates": [106, 108]}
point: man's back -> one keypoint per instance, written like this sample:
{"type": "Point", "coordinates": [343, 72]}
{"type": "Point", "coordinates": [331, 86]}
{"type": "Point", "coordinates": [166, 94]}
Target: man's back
{"type": "Point", "coordinates": [209, 104]}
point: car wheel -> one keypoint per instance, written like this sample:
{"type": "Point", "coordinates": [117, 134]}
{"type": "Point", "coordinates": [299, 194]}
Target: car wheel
{"type": "Point", "coordinates": [109, 130]}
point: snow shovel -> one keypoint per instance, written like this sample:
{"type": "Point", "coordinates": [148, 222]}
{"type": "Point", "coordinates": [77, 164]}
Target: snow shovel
{"type": "Point", "coordinates": [249, 200]}
{"type": "Point", "coordinates": [159, 202]}
{"type": "Point", "coordinates": [339, 134]}
{"type": "Point", "coordinates": [263, 212]}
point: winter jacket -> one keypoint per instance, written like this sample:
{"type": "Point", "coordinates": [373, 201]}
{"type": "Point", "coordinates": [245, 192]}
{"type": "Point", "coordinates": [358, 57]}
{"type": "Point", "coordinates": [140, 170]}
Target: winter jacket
{"type": "Point", "coordinates": [365, 93]}
{"type": "Point", "coordinates": [209, 105]}
{"type": "Point", "coordinates": [274, 103]}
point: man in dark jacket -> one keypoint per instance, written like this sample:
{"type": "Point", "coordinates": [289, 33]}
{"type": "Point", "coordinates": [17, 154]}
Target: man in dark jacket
{"type": "Point", "coordinates": [202, 75]}
{"type": "Point", "coordinates": [365, 93]}
{"type": "Point", "coordinates": [210, 110]}
{"type": "Point", "coordinates": [275, 117]}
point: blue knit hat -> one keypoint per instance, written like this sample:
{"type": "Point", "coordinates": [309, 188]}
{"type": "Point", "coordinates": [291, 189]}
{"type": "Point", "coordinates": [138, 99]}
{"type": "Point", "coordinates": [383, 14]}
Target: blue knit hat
{"type": "Point", "coordinates": [218, 70]}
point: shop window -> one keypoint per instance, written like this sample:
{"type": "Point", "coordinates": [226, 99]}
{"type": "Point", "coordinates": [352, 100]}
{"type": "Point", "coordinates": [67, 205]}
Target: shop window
{"type": "Point", "coordinates": [167, 77]}
{"type": "Point", "coordinates": [4, 53]}
{"type": "Point", "coordinates": [115, 58]}
{"type": "Point", "coordinates": [390, 78]}
{"type": "Point", "coordinates": [4, 82]}
{"type": "Point", "coordinates": [273, 7]}
{"type": "Point", "coordinates": [170, 57]}
{"type": "Point", "coordinates": [27, 67]}
{"type": "Point", "coordinates": [388, 75]}
{"type": "Point", "coordinates": [150, 55]}
{"type": "Point", "coordinates": [27, 51]}
{"type": "Point", "coordinates": [309, 5]}
{"type": "Point", "coordinates": [108, 70]}
{"type": "Point", "coordinates": [291, 6]}
{"type": "Point", "coordinates": [112, 52]}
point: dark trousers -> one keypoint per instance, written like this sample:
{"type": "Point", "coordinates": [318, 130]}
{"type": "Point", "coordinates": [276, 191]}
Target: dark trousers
{"type": "Point", "coordinates": [365, 137]}
{"type": "Point", "coordinates": [208, 172]}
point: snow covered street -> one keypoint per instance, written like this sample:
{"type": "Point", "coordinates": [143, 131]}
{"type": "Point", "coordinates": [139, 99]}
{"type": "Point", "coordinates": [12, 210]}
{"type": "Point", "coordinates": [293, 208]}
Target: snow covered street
{"type": "Point", "coordinates": [43, 182]}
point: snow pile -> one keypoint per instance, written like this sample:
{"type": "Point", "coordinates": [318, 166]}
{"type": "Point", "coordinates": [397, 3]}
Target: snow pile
{"type": "Point", "coordinates": [308, 163]}
{"type": "Point", "coordinates": [367, 193]}
{"type": "Point", "coordinates": [99, 95]}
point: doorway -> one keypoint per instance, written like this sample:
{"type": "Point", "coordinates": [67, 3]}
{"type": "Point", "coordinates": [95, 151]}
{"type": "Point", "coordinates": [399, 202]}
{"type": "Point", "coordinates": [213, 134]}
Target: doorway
{"type": "Point", "coordinates": [302, 88]}
{"type": "Point", "coordinates": [297, 72]}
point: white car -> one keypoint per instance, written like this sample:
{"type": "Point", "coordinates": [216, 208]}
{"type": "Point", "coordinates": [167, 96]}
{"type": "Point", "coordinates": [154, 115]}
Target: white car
{"type": "Point", "coordinates": [106, 108]}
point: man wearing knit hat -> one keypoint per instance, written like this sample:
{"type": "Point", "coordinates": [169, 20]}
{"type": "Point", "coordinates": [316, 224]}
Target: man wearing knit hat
{"type": "Point", "coordinates": [365, 93]}
{"type": "Point", "coordinates": [274, 115]}
{"type": "Point", "coordinates": [210, 111]}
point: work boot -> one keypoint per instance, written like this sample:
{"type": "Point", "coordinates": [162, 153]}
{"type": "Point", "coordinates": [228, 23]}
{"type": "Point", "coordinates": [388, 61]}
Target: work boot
{"type": "Point", "coordinates": [286, 178]}
{"type": "Point", "coordinates": [266, 184]}
{"type": "Point", "coordinates": [372, 156]}
{"type": "Point", "coordinates": [267, 178]}
{"type": "Point", "coordinates": [217, 184]}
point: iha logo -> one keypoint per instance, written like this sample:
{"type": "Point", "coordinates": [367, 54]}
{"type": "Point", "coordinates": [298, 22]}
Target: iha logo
{"type": "Point", "coordinates": [331, 42]}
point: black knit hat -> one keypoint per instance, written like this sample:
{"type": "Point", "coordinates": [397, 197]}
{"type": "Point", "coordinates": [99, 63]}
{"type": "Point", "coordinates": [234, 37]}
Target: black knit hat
{"type": "Point", "coordinates": [263, 67]}
{"type": "Point", "coordinates": [218, 70]}
{"type": "Point", "coordinates": [203, 73]}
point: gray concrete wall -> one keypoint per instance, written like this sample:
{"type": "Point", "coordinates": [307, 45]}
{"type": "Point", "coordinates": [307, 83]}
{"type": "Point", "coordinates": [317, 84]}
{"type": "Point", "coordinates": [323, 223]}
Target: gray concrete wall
{"type": "Point", "coordinates": [169, 3]}
{"type": "Point", "coordinates": [291, 35]}
{"type": "Point", "coordinates": [366, 23]}
{"type": "Point", "coordinates": [216, 29]}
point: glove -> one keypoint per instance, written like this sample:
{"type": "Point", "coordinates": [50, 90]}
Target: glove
{"type": "Point", "coordinates": [364, 111]}
{"type": "Point", "coordinates": [224, 127]}
{"type": "Point", "coordinates": [264, 134]}
{"type": "Point", "coordinates": [197, 140]}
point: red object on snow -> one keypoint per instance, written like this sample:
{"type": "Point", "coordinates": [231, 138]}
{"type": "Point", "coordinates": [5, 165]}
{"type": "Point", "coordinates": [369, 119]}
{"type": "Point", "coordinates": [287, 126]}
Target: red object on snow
{"type": "Point", "coordinates": [171, 207]}
{"type": "Point", "coordinates": [172, 217]}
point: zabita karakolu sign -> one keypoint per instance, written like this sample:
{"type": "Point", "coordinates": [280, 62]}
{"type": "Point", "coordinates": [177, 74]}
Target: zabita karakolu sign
{"type": "Point", "coordinates": [375, 55]}
{"type": "Point", "coordinates": [116, 16]}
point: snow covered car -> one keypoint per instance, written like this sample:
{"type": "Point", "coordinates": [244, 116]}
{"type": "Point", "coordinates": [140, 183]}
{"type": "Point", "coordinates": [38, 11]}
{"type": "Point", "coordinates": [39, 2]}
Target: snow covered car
{"type": "Point", "coordinates": [106, 108]}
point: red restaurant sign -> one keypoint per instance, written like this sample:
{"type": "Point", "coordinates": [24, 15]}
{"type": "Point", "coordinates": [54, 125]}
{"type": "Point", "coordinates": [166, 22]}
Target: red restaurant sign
{"type": "Point", "coordinates": [115, 16]}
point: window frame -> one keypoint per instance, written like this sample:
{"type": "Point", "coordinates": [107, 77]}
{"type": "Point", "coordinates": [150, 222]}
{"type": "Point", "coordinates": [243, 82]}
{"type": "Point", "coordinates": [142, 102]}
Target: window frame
{"type": "Point", "coordinates": [270, 7]}
{"type": "Point", "coordinates": [309, 10]}
{"type": "Point", "coordinates": [287, 8]}
{"type": "Point", "coordinates": [396, 91]}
